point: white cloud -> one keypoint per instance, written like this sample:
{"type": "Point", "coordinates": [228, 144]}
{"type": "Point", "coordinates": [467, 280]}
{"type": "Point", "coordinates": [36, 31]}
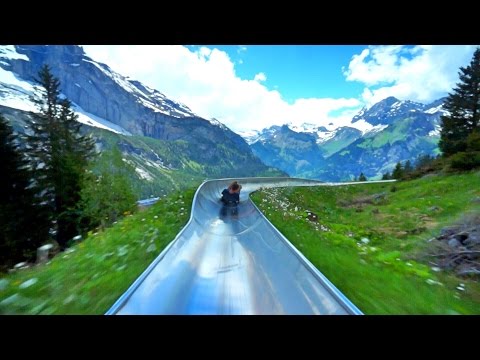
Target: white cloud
{"type": "Point", "coordinates": [318, 111]}
{"type": "Point", "coordinates": [205, 81]}
{"type": "Point", "coordinates": [241, 48]}
{"type": "Point", "coordinates": [260, 77]}
{"type": "Point", "coordinates": [420, 73]}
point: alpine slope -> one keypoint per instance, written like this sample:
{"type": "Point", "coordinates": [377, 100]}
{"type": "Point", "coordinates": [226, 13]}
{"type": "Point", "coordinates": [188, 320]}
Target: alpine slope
{"type": "Point", "coordinates": [233, 262]}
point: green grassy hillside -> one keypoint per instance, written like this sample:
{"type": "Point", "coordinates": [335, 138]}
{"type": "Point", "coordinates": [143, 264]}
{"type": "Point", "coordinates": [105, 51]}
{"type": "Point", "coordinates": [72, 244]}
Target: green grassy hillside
{"type": "Point", "coordinates": [371, 240]}
{"type": "Point", "coordinates": [91, 276]}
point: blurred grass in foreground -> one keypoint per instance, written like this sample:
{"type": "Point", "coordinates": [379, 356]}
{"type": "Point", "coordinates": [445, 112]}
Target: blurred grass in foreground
{"type": "Point", "coordinates": [371, 240]}
{"type": "Point", "coordinates": [91, 276]}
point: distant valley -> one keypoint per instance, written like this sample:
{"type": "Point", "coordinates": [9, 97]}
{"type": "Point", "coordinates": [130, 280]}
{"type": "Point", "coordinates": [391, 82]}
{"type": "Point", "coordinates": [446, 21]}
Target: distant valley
{"type": "Point", "coordinates": [396, 131]}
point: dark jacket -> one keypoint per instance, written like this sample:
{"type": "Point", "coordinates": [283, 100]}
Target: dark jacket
{"type": "Point", "coordinates": [228, 198]}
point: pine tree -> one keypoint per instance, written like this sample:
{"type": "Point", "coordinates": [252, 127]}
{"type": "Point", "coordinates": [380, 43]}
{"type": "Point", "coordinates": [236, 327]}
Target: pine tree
{"type": "Point", "coordinates": [473, 141]}
{"type": "Point", "coordinates": [60, 155]}
{"type": "Point", "coordinates": [23, 224]}
{"type": "Point", "coordinates": [408, 167]}
{"type": "Point", "coordinates": [423, 161]}
{"type": "Point", "coordinates": [463, 105]}
{"type": "Point", "coordinates": [397, 173]}
{"type": "Point", "coordinates": [110, 194]}
{"type": "Point", "coordinates": [386, 176]}
{"type": "Point", "coordinates": [362, 177]}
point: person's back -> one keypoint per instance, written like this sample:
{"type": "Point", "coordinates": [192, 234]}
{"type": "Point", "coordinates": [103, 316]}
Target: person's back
{"type": "Point", "coordinates": [231, 195]}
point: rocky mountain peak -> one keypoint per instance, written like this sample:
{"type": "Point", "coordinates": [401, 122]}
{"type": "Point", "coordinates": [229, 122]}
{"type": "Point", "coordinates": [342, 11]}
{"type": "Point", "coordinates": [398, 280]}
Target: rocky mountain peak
{"type": "Point", "coordinates": [108, 100]}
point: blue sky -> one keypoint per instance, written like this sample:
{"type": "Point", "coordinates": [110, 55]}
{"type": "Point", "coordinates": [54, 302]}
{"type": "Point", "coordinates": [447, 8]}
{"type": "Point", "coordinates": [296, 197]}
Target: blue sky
{"type": "Point", "coordinates": [250, 87]}
{"type": "Point", "coordinates": [297, 71]}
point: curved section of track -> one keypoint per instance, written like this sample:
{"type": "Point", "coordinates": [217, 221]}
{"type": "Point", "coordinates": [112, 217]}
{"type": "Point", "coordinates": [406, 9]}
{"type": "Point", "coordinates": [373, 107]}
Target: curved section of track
{"type": "Point", "coordinates": [224, 263]}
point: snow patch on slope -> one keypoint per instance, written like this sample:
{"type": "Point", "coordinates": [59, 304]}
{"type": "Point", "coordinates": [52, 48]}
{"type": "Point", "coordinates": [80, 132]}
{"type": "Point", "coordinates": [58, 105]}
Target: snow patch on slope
{"type": "Point", "coordinates": [324, 136]}
{"type": "Point", "coordinates": [161, 103]}
{"type": "Point", "coordinates": [367, 128]}
{"type": "Point", "coordinates": [435, 109]}
{"type": "Point", "coordinates": [142, 174]}
{"type": "Point", "coordinates": [15, 93]}
{"type": "Point", "coordinates": [436, 131]}
{"type": "Point", "coordinates": [89, 119]}
{"type": "Point", "coordinates": [304, 128]}
{"type": "Point", "coordinates": [376, 129]}
{"type": "Point", "coordinates": [249, 136]}
{"type": "Point", "coordinates": [9, 52]}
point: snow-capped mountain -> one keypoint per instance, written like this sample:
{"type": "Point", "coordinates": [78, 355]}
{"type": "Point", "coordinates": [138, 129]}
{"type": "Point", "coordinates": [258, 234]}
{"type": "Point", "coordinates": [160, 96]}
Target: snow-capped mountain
{"type": "Point", "coordinates": [386, 111]}
{"type": "Point", "coordinates": [15, 93]}
{"type": "Point", "coordinates": [390, 131]}
{"type": "Point", "coordinates": [249, 136]}
{"type": "Point", "coordinates": [92, 86]}
{"type": "Point", "coordinates": [107, 100]}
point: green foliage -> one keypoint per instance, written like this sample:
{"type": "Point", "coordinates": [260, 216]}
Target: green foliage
{"type": "Point", "coordinates": [465, 160]}
{"type": "Point", "coordinates": [470, 158]}
{"type": "Point", "coordinates": [59, 154]}
{"type": "Point", "coordinates": [423, 162]}
{"type": "Point", "coordinates": [379, 257]}
{"type": "Point", "coordinates": [362, 177]}
{"type": "Point", "coordinates": [108, 195]}
{"type": "Point", "coordinates": [99, 269]}
{"type": "Point", "coordinates": [463, 105]}
{"type": "Point", "coordinates": [398, 171]}
{"type": "Point", "coordinates": [174, 172]}
{"type": "Point", "coordinates": [22, 221]}
{"type": "Point", "coordinates": [386, 176]}
{"type": "Point", "coordinates": [169, 164]}
{"type": "Point", "coordinates": [342, 139]}
{"type": "Point", "coordinates": [473, 141]}
{"type": "Point", "coordinates": [408, 167]}
{"type": "Point", "coordinates": [407, 172]}
{"type": "Point", "coordinates": [396, 133]}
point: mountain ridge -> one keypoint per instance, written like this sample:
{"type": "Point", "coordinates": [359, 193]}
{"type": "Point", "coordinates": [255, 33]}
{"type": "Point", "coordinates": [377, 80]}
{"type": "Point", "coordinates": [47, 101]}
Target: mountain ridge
{"type": "Point", "coordinates": [105, 99]}
{"type": "Point", "coordinates": [398, 130]}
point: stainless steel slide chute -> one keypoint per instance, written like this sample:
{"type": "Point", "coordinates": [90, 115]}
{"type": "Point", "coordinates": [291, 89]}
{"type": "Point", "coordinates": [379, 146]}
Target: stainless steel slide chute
{"type": "Point", "coordinates": [233, 262]}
